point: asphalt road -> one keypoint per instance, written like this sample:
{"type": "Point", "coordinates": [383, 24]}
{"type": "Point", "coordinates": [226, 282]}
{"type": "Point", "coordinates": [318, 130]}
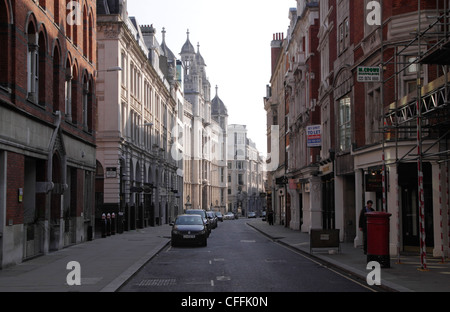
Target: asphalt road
{"type": "Point", "coordinates": [237, 259]}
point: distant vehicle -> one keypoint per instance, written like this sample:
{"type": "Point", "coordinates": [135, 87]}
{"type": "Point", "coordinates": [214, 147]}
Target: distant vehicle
{"type": "Point", "coordinates": [202, 213]}
{"type": "Point", "coordinates": [229, 216]}
{"type": "Point", "coordinates": [219, 216]}
{"type": "Point", "coordinates": [212, 218]}
{"type": "Point", "coordinates": [263, 216]}
{"type": "Point", "coordinates": [189, 229]}
{"type": "Point", "coordinates": [251, 214]}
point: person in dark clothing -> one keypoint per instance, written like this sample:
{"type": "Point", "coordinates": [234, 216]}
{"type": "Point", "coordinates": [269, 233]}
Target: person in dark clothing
{"type": "Point", "coordinates": [270, 218]}
{"type": "Point", "coordinates": [363, 222]}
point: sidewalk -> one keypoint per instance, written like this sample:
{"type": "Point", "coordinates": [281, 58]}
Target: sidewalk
{"type": "Point", "coordinates": [403, 277]}
{"type": "Point", "coordinates": [106, 263]}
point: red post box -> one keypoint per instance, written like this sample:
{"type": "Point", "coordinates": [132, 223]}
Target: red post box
{"type": "Point", "coordinates": [378, 238]}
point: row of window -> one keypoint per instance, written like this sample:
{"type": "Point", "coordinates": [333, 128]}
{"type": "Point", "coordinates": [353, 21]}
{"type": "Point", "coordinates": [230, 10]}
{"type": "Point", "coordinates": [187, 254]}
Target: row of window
{"type": "Point", "coordinates": [78, 98]}
{"type": "Point", "coordinates": [47, 78]}
{"type": "Point", "coordinates": [77, 20]}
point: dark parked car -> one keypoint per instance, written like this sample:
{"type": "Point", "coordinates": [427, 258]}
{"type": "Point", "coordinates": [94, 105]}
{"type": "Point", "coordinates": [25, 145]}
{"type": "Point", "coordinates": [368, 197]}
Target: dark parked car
{"type": "Point", "coordinates": [202, 213]}
{"type": "Point", "coordinates": [219, 216]}
{"type": "Point", "coordinates": [212, 218]}
{"type": "Point", "coordinates": [189, 229]}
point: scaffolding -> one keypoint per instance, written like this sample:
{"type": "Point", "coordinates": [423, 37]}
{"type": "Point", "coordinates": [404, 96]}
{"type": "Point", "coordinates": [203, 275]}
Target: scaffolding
{"type": "Point", "coordinates": [424, 115]}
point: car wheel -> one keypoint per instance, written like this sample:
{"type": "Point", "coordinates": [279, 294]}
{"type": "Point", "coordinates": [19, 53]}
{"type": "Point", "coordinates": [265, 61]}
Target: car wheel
{"type": "Point", "coordinates": [205, 242]}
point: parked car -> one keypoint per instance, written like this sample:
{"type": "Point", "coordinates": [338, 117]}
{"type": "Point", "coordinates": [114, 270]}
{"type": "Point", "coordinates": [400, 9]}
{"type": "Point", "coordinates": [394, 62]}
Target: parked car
{"type": "Point", "coordinates": [263, 216]}
{"type": "Point", "coordinates": [219, 216]}
{"type": "Point", "coordinates": [189, 229]}
{"type": "Point", "coordinates": [251, 214]}
{"type": "Point", "coordinates": [202, 213]}
{"type": "Point", "coordinates": [229, 216]}
{"type": "Point", "coordinates": [212, 218]}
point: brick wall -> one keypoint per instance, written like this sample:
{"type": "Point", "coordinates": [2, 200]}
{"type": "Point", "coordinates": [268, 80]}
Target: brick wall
{"type": "Point", "coordinates": [74, 45]}
{"type": "Point", "coordinates": [15, 178]}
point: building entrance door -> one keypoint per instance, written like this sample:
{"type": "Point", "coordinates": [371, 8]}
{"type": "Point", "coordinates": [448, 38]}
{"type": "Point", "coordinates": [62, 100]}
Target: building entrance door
{"type": "Point", "coordinates": [410, 206]}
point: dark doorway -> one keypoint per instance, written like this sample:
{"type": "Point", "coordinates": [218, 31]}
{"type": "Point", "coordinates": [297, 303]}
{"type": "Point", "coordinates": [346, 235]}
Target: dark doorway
{"type": "Point", "coordinates": [408, 183]}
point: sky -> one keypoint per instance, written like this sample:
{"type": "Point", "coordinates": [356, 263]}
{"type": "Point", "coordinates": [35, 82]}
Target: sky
{"type": "Point", "coordinates": [234, 38]}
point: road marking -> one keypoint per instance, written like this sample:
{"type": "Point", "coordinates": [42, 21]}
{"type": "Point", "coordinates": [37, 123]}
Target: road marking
{"type": "Point", "coordinates": [248, 241]}
{"type": "Point", "coordinates": [157, 282]}
{"type": "Point", "coordinates": [223, 278]}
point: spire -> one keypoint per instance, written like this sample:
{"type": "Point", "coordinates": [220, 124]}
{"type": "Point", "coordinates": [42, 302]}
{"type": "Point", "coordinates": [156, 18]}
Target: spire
{"type": "Point", "coordinates": [200, 59]}
{"type": "Point", "coordinates": [217, 105]}
{"type": "Point", "coordinates": [187, 47]}
{"type": "Point", "coordinates": [163, 34]}
{"type": "Point", "coordinates": [167, 52]}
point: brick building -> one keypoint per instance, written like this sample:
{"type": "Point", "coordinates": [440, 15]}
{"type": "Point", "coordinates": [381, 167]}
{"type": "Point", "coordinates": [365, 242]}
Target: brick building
{"type": "Point", "coordinates": [382, 90]}
{"type": "Point", "coordinates": [47, 126]}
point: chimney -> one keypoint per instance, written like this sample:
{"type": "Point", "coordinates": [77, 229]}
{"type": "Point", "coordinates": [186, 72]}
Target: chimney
{"type": "Point", "coordinates": [276, 46]}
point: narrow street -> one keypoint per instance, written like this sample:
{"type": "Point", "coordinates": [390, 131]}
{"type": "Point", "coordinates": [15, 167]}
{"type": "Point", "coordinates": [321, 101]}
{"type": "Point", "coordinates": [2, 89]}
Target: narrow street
{"type": "Point", "coordinates": [237, 259]}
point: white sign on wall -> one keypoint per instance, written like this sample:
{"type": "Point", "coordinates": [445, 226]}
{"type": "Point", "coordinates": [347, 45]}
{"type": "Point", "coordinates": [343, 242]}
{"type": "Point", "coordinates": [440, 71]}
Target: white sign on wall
{"type": "Point", "coordinates": [368, 74]}
{"type": "Point", "coordinates": [314, 136]}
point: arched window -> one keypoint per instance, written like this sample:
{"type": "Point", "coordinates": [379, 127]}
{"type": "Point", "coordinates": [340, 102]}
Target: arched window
{"type": "Point", "coordinates": [56, 78]}
{"type": "Point", "coordinates": [76, 109]}
{"type": "Point", "coordinates": [90, 111]}
{"type": "Point", "coordinates": [56, 11]}
{"type": "Point", "coordinates": [85, 32]}
{"type": "Point", "coordinates": [69, 23]}
{"type": "Point", "coordinates": [5, 50]}
{"type": "Point", "coordinates": [85, 101]}
{"type": "Point", "coordinates": [68, 90]}
{"type": "Point", "coordinates": [32, 64]}
{"type": "Point", "coordinates": [90, 38]}
{"type": "Point", "coordinates": [42, 51]}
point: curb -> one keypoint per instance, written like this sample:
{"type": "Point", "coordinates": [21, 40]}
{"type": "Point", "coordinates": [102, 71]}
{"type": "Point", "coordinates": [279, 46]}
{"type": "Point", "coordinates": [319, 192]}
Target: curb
{"type": "Point", "coordinates": [356, 274]}
{"type": "Point", "coordinates": [132, 270]}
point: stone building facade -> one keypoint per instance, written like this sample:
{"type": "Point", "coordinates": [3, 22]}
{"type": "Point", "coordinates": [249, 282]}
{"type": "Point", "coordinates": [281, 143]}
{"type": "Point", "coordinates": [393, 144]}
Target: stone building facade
{"type": "Point", "coordinates": [139, 176]}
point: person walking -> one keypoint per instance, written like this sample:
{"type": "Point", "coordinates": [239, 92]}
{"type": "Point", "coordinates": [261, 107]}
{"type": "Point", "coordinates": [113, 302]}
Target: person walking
{"type": "Point", "coordinates": [363, 222]}
{"type": "Point", "coordinates": [270, 218]}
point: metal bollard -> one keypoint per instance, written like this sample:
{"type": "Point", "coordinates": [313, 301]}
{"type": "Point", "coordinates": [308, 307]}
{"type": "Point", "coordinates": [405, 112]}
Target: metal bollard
{"type": "Point", "coordinates": [113, 224]}
{"type": "Point", "coordinates": [103, 225]}
{"type": "Point", "coordinates": [108, 224]}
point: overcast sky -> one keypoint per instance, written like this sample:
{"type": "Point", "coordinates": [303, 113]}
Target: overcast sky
{"type": "Point", "coordinates": [234, 38]}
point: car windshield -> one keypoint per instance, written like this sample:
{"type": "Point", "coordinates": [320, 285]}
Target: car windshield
{"type": "Point", "coordinates": [197, 212]}
{"type": "Point", "coordinates": [189, 220]}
